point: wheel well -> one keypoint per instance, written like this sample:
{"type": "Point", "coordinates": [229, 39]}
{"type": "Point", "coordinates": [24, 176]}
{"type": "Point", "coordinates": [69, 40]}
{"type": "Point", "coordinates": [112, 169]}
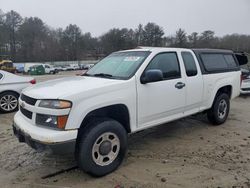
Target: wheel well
{"type": "Point", "coordinates": [225, 89]}
{"type": "Point", "coordinates": [118, 112]}
{"type": "Point", "coordinates": [11, 92]}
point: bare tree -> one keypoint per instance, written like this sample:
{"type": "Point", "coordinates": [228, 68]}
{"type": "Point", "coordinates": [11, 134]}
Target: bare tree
{"type": "Point", "coordinates": [207, 39]}
{"type": "Point", "coordinates": [71, 41]}
{"type": "Point", "coordinates": [180, 38]}
{"type": "Point", "coordinates": [12, 21]}
{"type": "Point", "coordinates": [30, 39]}
{"type": "Point", "coordinates": [152, 35]}
{"type": "Point", "coordinates": [139, 35]}
{"type": "Point", "coordinates": [193, 39]}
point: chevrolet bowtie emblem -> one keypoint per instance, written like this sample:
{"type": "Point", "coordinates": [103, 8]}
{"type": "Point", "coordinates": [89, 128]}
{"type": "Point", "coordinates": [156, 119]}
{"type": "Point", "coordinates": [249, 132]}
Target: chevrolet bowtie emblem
{"type": "Point", "coordinates": [22, 104]}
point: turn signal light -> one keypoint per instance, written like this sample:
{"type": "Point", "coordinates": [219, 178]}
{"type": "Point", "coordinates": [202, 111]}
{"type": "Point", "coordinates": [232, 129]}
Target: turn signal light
{"type": "Point", "coordinates": [61, 121]}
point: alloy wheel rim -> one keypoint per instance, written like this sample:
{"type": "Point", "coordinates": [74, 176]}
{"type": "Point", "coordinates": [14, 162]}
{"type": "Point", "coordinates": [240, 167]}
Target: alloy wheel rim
{"type": "Point", "coordinates": [222, 109]}
{"type": "Point", "coordinates": [106, 149]}
{"type": "Point", "coordinates": [8, 102]}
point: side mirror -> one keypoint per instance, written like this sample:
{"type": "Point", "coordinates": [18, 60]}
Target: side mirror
{"type": "Point", "coordinates": [153, 75]}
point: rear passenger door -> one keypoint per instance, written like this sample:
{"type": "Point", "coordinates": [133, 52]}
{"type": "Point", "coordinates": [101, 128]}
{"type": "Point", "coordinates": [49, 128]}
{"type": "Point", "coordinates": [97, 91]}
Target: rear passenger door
{"type": "Point", "coordinates": [194, 83]}
{"type": "Point", "coordinates": [162, 101]}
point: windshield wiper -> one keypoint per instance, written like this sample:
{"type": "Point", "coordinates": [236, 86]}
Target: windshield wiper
{"type": "Point", "coordinates": [86, 74]}
{"type": "Point", "coordinates": [103, 75]}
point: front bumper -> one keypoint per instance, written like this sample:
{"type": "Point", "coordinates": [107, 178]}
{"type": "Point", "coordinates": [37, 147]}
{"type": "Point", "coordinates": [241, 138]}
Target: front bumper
{"type": "Point", "coordinates": [42, 138]}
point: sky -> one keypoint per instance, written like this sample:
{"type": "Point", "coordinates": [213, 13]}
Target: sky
{"type": "Point", "coordinates": [98, 16]}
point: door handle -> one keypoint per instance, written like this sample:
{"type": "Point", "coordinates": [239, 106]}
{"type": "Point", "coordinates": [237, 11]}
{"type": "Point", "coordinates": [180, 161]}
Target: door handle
{"type": "Point", "coordinates": [180, 85]}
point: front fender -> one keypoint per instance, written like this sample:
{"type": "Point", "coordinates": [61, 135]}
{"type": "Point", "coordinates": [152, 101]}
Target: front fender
{"type": "Point", "coordinates": [122, 94]}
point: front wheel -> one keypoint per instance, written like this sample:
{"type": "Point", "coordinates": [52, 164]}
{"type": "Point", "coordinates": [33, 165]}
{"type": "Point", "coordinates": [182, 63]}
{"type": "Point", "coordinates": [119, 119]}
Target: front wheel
{"type": "Point", "coordinates": [102, 147]}
{"type": "Point", "coordinates": [218, 113]}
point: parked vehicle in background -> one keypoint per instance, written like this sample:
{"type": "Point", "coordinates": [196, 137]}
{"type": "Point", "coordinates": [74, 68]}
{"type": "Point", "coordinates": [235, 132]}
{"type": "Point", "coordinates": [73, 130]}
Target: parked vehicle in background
{"type": "Point", "coordinates": [20, 70]}
{"type": "Point", "coordinates": [19, 67]}
{"type": "Point", "coordinates": [64, 68]}
{"type": "Point", "coordinates": [74, 66]}
{"type": "Point", "coordinates": [126, 92]}
{"type": "Point", "coordinates": [49, 69]}
{"type": "Point", "coordinates": [67, 68]}
{"type": "Point", "coordinates": [58, 68]}
{"type": "Point", "coordinates": [87, 66]}
{"type": "Point", "coordinates": [11, 86]}
{"type": "Point", "coordinates": [37, 70]}
{"type": "Point", "coordinates": [245, 85]}
{"type": "Point", "coordinates": [7, 65]}
{"type": "Point", "coordinates": [70, 68]}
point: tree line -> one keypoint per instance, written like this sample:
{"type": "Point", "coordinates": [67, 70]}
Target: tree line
{"type": "Point", "coordinates": [30, 39]}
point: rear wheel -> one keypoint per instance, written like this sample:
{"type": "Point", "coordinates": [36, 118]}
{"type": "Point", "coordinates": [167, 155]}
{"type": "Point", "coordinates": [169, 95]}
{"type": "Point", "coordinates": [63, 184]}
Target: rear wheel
{"type": "Point", "coordinates": [219, 112]}
{"type": "Point", "coordinates": [8, 101]}
{"type": "Point", "coordinates": [102, 147]}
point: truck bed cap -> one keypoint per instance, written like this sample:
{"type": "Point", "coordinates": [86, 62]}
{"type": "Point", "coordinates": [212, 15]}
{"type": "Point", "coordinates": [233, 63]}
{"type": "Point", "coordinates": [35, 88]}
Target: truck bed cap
{"type": "Point", "coordinates": [207, 50]}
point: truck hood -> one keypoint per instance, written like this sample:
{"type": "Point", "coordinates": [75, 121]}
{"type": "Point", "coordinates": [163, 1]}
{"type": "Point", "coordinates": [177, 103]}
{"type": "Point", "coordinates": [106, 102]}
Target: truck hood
{"type": "Point", "coordinates": [65, 87]}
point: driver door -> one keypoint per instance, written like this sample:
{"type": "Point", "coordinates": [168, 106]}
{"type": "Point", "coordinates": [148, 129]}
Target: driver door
{"type": "Point", "coordinates": [162, 101]}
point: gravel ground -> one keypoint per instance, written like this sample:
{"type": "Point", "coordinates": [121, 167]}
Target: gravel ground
{"type": "Point", "coordinates": [185, 153]}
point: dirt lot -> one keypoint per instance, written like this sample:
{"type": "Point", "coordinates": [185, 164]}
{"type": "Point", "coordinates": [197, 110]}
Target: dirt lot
{"type": "Point", "coordinates": [184, 153]}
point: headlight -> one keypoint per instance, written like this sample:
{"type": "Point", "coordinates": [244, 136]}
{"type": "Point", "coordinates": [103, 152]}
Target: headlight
{"type": "Point", "coordinates": [52, 121]}
{"type": "Point", "coordinates": [55, 104]}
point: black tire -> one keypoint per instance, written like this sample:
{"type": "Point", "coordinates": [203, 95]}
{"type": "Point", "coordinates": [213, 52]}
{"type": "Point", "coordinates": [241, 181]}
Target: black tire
{"type": "Point", "coordinates": [215, 114]}
{"type": "Point", "coordinates": [13, 96]}
{"type": "Point", "coordinates": [88, 138]}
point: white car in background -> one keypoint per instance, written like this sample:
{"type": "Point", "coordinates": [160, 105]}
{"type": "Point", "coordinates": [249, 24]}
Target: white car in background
{"type": "Point", "coordinates": [245, 84]}
{"type": "Point", "coordinates": [75, 67]}
{"type": "Point", "coordinates": [11, 86]}
{"type": "Point", "coordinates": [49, 69]}
{"type": "Point", "coordinates": [87, 66]}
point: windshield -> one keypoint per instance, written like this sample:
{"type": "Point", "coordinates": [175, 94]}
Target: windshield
{"type": "Point", "coordinates": [119, 65]}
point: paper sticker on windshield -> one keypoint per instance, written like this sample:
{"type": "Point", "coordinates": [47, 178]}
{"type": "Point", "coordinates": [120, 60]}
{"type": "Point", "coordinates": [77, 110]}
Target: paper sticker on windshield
{"type": "Point", "coordinates": [132, 58]}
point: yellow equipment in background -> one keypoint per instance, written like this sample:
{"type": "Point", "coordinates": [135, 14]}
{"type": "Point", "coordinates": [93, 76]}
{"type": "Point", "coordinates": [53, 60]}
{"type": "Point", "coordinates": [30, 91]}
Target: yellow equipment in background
{"type": "Point", "coordinates": [7, 65]}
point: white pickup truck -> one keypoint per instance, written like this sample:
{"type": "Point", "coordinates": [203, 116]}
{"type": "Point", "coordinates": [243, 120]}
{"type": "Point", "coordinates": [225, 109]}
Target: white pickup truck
{"type": "Point", "coordinates": [49, 69]}
{"type": "Point", "coordinates": [126, 92]}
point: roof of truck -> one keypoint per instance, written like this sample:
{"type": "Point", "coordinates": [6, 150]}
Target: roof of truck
{"type": "Point", "coordinates": [154, 49]}
{"type": "Point", "coordinates": [196, 50]}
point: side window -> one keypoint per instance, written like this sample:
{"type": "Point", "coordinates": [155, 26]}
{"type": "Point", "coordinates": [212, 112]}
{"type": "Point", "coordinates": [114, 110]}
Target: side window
{"type": "Point", "coordinates": [167, 63]}
{"type": "Point", "coordinates": [189, 62]}
{"type": "Point", "coordinates": [213, 62]}
{"type": "Point", "coordinates": [230, 61]}
{"type": "Point", "coordinates": [1, 76]}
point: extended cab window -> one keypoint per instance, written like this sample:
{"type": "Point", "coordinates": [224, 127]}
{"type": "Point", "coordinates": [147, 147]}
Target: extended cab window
{"type": "Point", "coordinates": [213, 62]}
{"type": "Point", "coordinates": [167, 63]}
{"type": "Point", "coordinates": [189, 62]}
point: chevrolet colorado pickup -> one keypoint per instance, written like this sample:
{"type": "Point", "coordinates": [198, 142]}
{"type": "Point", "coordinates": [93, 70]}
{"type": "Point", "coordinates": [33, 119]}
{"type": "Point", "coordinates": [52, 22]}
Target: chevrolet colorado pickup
{"type": "Point", "coordinates": [126, 92]}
